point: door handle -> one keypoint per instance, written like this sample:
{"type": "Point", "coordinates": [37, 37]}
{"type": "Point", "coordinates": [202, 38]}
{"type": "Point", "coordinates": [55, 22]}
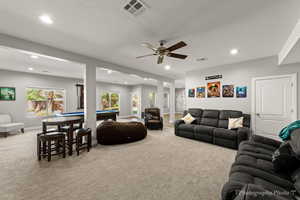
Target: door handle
{"type": "Point", "coordinates": [257, 114]}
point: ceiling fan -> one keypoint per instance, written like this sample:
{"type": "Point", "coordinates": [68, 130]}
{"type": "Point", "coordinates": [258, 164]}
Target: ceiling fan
{"type": "Point", "coordinates": [162, 51]}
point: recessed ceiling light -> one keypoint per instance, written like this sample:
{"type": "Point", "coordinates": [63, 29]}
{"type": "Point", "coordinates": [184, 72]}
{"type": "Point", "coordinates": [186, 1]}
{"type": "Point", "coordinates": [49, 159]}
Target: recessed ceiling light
{"type": "Point", "coordinates": [46, 19]}
{"type": "Point", "coordinates": [167, 67]}
{"type": "Point", "coordinates": [109, 71]}
{"type": "Point", "coordinates": [125, 82]}
{"type": "Point", "coordinates": [234, 51]}
{"type": "Point", "coordinates": [34, 57]}
{"type": "Point", "coordinates": [30, 68]}
{"type": "Point", "coordinates": [145, 79]}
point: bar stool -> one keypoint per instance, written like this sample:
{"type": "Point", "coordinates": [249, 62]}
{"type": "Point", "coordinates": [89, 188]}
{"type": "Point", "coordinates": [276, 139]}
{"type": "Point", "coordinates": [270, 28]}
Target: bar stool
{"type": "Point", "coordinates": [86, 135]}
{"type": "Point", "coordinates": [47, 143]}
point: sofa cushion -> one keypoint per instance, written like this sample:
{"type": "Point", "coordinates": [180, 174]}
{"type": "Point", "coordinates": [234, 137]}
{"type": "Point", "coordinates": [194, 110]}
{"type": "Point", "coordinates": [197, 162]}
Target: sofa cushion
{"type": "Point", "coordinates": [201, 129]}
{"type": "Point", "coordinates": [187, 127]}
{"type": "Point", "coordinates": [284, 159]}
{"type": "Point", "coordinates": [258, 174]}
{"type": "Point", "coordinates": [5, 119]}
{"type": "Point", "coordinates": [258, 147]}
{"type": "Point", "coordinates": [226, 114]}
{"type": "Point", "coordinates": [11, 127]}
{"type": "Point", "coordinates": [247, 120]}
{"type": "Point", "coordinates": [225, 133]}
{"type": "Point", "coordinates": [295, 141]}
{"type": "Point", "coordinates": [212, 114]}
{"type": "Point", "coordinates": [209, 122]}
{"type": "Point", "coordinates": [259, 163]}
{"type": "Point", "coordinates": [195, 112]}
{"type": "Point", "coordinates": [210, 118]}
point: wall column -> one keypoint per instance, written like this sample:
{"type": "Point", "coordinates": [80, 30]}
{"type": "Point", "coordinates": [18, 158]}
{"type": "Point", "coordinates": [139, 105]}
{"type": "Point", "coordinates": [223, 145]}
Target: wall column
{"type": "Point", "coordinates": [90, 99]}
{"type": "Point", "coordinates": [160, 97]}
{"type": "Point", "coordinates": [172, 102]}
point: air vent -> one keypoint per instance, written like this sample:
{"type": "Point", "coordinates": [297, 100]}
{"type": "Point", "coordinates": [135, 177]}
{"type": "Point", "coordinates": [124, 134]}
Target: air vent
{"type": "Point", "coordinates": [135, 7]}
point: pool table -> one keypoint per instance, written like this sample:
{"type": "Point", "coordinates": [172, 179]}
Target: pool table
{"type": "Point", "coordinates": [101, 114]}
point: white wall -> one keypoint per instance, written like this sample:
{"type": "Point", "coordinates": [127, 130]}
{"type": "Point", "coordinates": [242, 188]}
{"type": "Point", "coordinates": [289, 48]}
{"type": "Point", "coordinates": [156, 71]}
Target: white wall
{"type": "Point", "coordinates": [239, 74]}
{"type": "Point", "coordinates": [23, 80]}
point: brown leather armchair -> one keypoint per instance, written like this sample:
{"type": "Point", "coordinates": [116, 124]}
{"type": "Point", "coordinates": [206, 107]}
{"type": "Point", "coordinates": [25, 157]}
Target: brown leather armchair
{"type": "Point", "coordinates": [153, 120]}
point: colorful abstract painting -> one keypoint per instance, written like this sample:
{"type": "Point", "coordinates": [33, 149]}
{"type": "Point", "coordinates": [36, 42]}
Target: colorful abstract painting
{"type": "Point", "coordinates": [241, 92]}
{"type": "Point", "coordinates": [228, 91]}
{"type": "Point", "coordinates": [7, 94]}
{"type": "Point", "coordinates": [191, 93]}
{"type": "Point", "coordinates": [135, 104]}
{"type": "Point", "coordinates": [43, 102]}
{"type": "Point", "coordinates": [200, 92]}
{"type": "Point", "coordinates": [110, 101]}
{"type": "Point", "coordinates": [213, 89]}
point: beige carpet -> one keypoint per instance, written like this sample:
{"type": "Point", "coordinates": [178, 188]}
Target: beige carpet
{"type": "Point", "coordinates": [161, 167]}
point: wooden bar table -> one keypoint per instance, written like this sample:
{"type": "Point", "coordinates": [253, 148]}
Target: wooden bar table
{"type": "Point", "coordinates": [64, 121]}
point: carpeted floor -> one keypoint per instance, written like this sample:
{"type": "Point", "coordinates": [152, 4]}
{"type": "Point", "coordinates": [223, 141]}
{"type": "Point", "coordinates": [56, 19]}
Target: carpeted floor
{"type": "Point", "coordinates": [161, 167]}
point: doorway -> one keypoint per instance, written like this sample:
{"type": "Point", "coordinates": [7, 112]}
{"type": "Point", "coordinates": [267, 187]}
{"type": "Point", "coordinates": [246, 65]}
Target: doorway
{"type": "Point", "coordinates": [274, 104]}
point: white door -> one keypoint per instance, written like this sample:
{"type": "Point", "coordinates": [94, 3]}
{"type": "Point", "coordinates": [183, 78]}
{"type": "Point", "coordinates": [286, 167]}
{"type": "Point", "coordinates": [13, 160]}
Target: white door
{"type": "Point", "coordinates": [275, 104]}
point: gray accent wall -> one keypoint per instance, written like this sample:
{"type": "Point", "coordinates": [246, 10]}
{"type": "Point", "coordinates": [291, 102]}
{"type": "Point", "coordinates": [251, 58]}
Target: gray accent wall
{"type": "Point", "coordinates": [17, 109]}
{"type": "Point", "coordinates": [239, 74]}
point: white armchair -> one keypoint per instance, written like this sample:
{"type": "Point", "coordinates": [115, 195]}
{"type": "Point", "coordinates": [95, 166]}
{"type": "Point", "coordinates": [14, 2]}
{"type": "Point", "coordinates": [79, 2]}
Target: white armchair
{"type": "Point", "coordinates": [6, 125]}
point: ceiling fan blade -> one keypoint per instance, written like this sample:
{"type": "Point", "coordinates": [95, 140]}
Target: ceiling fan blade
{"type": "Point", "coordinates": [160, 59]}
{"type": "Point", "coordinates": [176, 55]}
{"type": "Point", "coordinates": [153, 54]}
{"type": "Point", "coordinates": [150, 46]}
{"type": "Point", "coordinates": [176, 46]}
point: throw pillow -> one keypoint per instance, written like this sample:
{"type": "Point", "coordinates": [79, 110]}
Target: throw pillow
{"type": "Point", "coordinates": [188, 119]}
{"type": "Point", "coordinates": [234, 123]}
{"type": "Point", "coordinates": [284, 159]}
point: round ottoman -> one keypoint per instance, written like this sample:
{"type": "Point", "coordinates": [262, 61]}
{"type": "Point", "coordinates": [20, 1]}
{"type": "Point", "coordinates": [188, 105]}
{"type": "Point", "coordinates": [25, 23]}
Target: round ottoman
{"type": "Point", "coordinates": [111, 132]}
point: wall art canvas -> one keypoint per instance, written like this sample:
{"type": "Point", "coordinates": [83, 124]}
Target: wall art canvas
{"type": "Point", "coordinates": [43, 102]}
{"type": "Point", "coordinates": [191, 93]}
{"type": "Point", "coordinates": [110, 101]}
{"type": "Point", "coordinates": [135, 104]}
{"type": "Point", "coordinates": [7, 94]}
{"type": "Point", "coordinates": [228, 91]}
{"type": "Point", "coordinates": [214, 89]}
{"type": "Point", "coordinates": [200, 92]}
{"type": "Point", "coordinates": [241, 92]}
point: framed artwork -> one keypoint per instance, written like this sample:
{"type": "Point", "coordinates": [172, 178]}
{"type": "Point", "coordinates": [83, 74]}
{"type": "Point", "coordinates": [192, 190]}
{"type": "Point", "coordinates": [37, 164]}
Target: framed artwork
{"type": "Point", "coordinates": [114, 101]}
{"type": "Point", "coordinates": [200, 92]}
{"type": "Point", "coordinates": [214, 89]}
{"type": "Point", "coordinates": [135, 104]}
{"type": "Point", "coordinates": [42, 102]}
{"type": "Point", "coordinates": [241, 92]}
{"type": "Point", "coordinates": [110, 101]}
{"type": "Point", "coordinates": [7, 94]}
{"type": "Point", "coordinates": [228, 91]}
{"type": "Point", "coordinates": [192, 93]}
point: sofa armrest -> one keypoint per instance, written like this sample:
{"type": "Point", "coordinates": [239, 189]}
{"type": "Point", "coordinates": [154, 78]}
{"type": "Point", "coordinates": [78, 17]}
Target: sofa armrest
{"type": "Point", "coordinates": [265, 140]}
{"type": "Point", "coordinates": [178, 122]}
{"type": "Point", "coordinates": [255, 192]}
{"type": "Point", "coordinates": [243, 134]}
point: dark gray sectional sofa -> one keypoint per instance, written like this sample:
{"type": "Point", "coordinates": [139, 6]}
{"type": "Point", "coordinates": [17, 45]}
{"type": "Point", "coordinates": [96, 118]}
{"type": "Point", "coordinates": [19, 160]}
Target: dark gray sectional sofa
{"type": "Point", "coordinates": [253, 175]}
{"type": "Point", "coordinates": [212, 126]}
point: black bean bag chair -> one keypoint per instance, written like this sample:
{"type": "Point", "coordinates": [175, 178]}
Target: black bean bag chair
{"type": "Point", "coordinates": [111, 132]}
